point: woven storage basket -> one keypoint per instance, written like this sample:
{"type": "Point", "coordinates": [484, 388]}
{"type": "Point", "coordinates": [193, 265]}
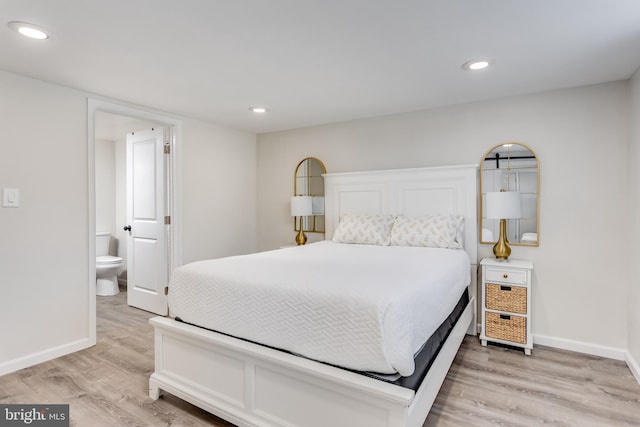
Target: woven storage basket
{"type": "Point", "coordinates": [506, 298]}
{"type": "Point", "coordinates": [504, 327]}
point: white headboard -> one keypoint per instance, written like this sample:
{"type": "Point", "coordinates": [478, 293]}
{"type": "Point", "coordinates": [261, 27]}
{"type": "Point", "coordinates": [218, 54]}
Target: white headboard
{"type": "Point", "coordinates": [408, 192]}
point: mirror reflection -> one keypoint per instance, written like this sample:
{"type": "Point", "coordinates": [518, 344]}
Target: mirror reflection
{"type": "Point", "coordinates": [308, 181]}
{"type": "Point", "coordinates": [511, 167]}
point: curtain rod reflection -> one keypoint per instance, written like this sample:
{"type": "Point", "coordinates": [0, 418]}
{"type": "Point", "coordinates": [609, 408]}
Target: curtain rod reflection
{"type": "Point", "coordinates": [497, 158]}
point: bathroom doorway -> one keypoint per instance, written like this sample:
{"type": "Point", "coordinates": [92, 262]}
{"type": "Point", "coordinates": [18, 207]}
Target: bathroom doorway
{"type": "Point", "coordinates": [108, 127]}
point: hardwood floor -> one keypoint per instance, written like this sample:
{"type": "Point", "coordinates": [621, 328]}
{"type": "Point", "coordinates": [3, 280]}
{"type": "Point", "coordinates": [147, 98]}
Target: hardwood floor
{"type": "Point", "coordinates": [499, 386]}
{"type": "Point", "coordinates": [107, 385]}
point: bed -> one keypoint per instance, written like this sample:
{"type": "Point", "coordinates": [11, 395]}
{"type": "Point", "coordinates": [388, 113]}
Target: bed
{"type": "Point", "coordinates": [244, 376]}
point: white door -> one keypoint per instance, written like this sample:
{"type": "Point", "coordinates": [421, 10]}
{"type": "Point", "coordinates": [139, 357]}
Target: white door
{"type": "Point", "coordinates": [146, 242]}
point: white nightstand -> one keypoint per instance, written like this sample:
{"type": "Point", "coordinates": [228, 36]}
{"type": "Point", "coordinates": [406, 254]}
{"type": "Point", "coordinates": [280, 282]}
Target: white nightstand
{"type": "Point", "coordinates": [506, 302]}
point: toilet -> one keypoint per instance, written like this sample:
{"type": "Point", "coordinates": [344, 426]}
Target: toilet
{"type": "Point", "coordinates": [107, 267]}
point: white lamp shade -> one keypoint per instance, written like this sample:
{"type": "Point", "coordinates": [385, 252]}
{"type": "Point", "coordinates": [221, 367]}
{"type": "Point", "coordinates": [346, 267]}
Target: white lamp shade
{"type": "Point", "coordinates": [301, 206]}
{"type": "Point", "coordinates": [503, 205]}
{"type": "Point", "coordinates": [317, 205]}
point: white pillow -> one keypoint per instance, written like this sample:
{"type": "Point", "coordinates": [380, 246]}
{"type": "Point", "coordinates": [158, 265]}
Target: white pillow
{"type": "Point", "coordinates": [435, 231]}
{"type": "Point", "coordinates": [364, 229]}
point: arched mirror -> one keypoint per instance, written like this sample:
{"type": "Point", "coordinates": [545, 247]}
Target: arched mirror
{"type": "Point", "coordinates": [308, 181]}
{"type": "Point", "coordinates": [511, 167]}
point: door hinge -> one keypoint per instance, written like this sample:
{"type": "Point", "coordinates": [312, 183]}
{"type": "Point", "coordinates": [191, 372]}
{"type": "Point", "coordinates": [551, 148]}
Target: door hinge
{"type": "Point", "coordinates": [167, 149]}
{"type": "Point", "coordinates": [167, 220]}
{"type": "Point", "coordinates": [166, 290]}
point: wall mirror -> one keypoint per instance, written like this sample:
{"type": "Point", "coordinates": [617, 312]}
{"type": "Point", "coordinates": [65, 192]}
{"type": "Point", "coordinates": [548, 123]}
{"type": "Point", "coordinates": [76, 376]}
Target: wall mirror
{"type": "Point", "coordinates": [511, 167]}
{"type": "Point", "coordinates": [308, 181]}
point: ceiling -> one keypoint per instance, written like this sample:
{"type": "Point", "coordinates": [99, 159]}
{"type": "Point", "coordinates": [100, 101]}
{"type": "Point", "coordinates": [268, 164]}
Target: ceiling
{"type": "Point", "coordinates": [312, 62]}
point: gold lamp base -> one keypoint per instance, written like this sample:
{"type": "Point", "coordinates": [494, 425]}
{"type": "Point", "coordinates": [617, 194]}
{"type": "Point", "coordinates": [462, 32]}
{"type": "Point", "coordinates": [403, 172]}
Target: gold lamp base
{"type": "Point", "coordinates": [501, 249]}
{"type": "Point", "coordinates": [301, 238]}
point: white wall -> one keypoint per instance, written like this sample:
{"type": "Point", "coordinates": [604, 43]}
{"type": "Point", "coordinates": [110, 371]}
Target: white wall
{"type": "Point", "coordinates": [44, 310]}
{"type": "Point", "coordinates": [219, 191]}
{"type": "Point", "coordinates": [43, 243]}
{"type": "Point", "coordinates": [580, 136]}
{"type": "Point", "coordinates": [634, 221]}
{"type": "Point", "coordinates": [105, 185]}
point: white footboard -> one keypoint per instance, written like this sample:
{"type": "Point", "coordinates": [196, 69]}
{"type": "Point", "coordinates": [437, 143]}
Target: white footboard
{"type": "Point", "coordinates": [251, 385]}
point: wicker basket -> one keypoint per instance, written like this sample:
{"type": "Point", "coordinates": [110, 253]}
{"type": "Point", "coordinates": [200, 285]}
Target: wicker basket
{"type": "Point", "coordinates": [506, 298]}
{"type": "Point", "coordinates": [505, 327]}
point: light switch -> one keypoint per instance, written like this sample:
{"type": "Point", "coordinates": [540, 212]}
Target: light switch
{"type": "Point", "coordinates": [10, 197]}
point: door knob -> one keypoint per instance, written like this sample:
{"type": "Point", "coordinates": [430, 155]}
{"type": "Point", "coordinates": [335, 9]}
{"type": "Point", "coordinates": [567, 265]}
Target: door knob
{"type": "Point", "coordinates": [127, 228]}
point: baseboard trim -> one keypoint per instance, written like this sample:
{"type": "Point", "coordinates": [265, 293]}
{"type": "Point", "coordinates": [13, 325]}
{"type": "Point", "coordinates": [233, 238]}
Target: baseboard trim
{"type": "Point", "coordinates": [633, 366]}
{"type": "Point", "coordinates": [43, 356]}
{"type": "Point", "coordinates": [581, 347]}
{"type": "Point", "coordinates": [592, 349]}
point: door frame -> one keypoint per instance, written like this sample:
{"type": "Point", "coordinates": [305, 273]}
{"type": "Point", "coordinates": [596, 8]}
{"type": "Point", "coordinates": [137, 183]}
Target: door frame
{"type": "Point", "coordinates": [94, 105]}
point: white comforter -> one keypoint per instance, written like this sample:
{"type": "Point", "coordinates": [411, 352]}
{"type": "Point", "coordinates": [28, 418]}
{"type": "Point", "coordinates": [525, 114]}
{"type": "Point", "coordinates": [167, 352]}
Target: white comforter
{"type": "Point", "coordinates": [363, 307]}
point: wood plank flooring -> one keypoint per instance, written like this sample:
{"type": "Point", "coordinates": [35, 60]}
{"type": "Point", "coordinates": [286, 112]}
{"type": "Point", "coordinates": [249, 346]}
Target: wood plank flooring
{"type": "Point", "coordinates": [107, 385]}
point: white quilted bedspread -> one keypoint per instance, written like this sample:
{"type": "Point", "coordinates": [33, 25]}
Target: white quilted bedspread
{"type": "Point", "coordinates": [363, 307]}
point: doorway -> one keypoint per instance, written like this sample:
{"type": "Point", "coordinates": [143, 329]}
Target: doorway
{"type": "Point", "coordinates": [109, 123]}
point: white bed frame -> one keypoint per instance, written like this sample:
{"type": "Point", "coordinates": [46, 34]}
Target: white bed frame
{"type": "Point", "coordinates": [252, 385]}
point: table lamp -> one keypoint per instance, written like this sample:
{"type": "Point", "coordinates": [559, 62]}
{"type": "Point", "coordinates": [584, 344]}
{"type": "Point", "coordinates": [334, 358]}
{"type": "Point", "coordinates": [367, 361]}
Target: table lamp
{"type": "Point", "coordinates": [503, 205]}
{"type": "Point", "coordinates": [301, 206]}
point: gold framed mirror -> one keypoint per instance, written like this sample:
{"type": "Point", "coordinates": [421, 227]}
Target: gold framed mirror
{"type": "Point", "coordinates": [511, 166]}
{"type": "Point", "coordinates": [308, 181]}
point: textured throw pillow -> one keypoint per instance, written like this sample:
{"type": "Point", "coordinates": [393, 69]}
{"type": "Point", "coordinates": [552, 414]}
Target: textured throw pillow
{"type": "Point", "coordinates": [364, 229]}
{"type": "Point", "coordinates": [435, 231]}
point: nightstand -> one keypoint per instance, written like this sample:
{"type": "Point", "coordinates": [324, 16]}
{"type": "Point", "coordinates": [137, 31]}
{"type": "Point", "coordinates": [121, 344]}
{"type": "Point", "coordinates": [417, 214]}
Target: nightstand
{"type": "Point", "coordinates": [506, 302]}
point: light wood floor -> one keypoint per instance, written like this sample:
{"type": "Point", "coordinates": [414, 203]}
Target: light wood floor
{"type": "Point", "coordinates": [106, 385]}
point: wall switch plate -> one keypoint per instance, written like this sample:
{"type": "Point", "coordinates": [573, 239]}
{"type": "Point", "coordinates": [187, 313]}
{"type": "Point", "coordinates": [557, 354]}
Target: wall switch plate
{"type": "Point", "coordinates": [10, 197]}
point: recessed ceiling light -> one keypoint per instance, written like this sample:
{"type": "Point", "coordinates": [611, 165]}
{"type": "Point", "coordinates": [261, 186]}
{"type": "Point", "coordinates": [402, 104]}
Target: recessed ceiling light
{"type": "Point", "coordinates": [476, 65]}
{"type": "Point", "coordinates": [258, 110]}
{"type": "Point", "coordinates": [29, 30]}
